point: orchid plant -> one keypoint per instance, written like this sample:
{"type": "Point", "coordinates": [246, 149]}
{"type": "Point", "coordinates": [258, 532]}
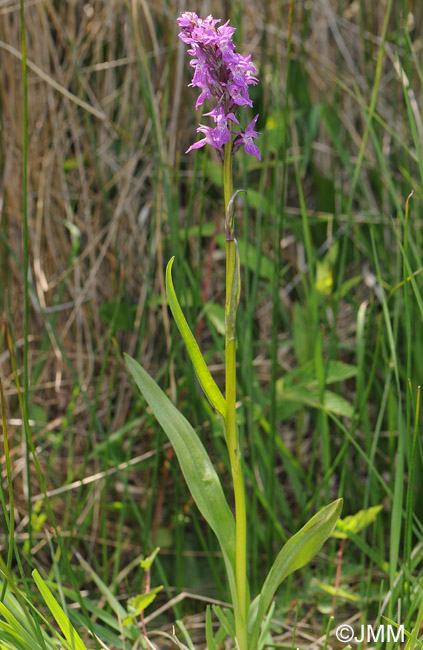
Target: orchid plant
{"type": "Point", "coordinates": [224, 76]}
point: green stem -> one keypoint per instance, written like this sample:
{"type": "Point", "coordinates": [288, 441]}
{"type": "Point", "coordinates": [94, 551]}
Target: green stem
{"type": "Point", "coordinates": [232, 439]}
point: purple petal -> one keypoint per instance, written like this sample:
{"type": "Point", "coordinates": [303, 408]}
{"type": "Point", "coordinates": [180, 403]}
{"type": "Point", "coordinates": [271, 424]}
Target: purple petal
{"type": "Point", "coordinates": [197, 145]}
{"type": "Point", "coordinates": [232, 117]}
{"type": "Point", "coordinates": [252, 149]}
{"type": "Point", "coordinates": [250, 128]}
{"type": "Point", "coordinates": [217, 112]}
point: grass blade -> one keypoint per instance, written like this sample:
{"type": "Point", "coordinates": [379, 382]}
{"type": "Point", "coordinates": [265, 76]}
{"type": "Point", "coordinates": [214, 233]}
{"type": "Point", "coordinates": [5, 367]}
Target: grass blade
{"type": "Point", "coordinates": [60, 617]}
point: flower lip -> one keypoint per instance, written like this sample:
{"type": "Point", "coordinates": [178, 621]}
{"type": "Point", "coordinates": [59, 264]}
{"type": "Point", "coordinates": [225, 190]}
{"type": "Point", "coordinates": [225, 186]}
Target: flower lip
{"type": "Point", "coordinates": [246, 138]}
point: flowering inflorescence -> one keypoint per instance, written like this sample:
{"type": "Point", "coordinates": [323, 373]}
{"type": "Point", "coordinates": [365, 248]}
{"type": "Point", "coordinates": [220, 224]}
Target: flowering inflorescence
{"type": "Point", "coordinates": [222, 74]}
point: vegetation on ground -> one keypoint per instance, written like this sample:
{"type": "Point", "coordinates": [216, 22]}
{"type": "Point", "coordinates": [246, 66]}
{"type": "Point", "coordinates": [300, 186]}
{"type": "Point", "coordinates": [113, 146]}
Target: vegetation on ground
{"type": "Point", "coordinates": [95, 100]}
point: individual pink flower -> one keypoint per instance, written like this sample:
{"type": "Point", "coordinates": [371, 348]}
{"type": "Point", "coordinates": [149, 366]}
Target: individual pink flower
{"type": "Point", "coordinates": [216, 137]}
{"type": "Point", "coordinates": [246, 138]}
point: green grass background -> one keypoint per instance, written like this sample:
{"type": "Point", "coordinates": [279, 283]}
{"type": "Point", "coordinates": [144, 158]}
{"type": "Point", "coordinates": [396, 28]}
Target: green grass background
{"type": "Point", "coordinates": [330, 324]}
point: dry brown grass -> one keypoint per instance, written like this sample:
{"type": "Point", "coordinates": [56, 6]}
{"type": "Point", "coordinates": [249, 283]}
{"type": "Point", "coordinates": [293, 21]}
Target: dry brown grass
{"type": "Point", "coordinates": [83, 173]}
{"type": "Point", "coordinates": [93, 158]}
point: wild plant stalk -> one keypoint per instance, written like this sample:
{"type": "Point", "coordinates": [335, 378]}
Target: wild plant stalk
{"type": "Point", "coordinates": [224, 76]}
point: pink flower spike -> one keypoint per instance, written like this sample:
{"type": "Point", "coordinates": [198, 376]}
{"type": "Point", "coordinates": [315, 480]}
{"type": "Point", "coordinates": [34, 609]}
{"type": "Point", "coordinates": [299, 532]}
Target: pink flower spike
{"type": "Point", "coordinates": [221, 75]}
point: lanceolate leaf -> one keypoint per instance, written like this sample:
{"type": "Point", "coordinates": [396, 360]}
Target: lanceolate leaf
{"type": "Point", "coordinates": [355, 523]}
{"type": "Point", "coordinates": [337, 591]}
{"type": "Point", "coordinates": [147, 562]}
{"type": "Point", "coordinates": [297, 552]}
{"type": "Point", "coordinates": [139, 603]}
{"type": "Point", "coordinates": [197, 468]}
{"type": "Point", "coordinates": [331, 403]}
{"type": "Point", "coordinates": [203, 373]}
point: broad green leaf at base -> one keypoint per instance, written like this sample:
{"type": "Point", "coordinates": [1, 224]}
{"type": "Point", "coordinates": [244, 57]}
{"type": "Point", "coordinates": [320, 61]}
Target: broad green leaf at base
{"type": "Point", "coordinates": [297, 552]}
{"type": "Point", "coordinates": [197, 468]}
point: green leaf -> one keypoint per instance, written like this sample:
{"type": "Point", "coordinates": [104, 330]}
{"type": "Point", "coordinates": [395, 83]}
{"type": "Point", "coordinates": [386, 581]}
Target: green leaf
{"type": "Point", "coordinates": [349, 284]}
{"type": "Point", "coordinates": [306, 374]}
{"type": "Point", "coordinates": [197, 468]}
{"type": "Point", "coordinates": [203, 373]}
{"type": "Point", "coordinates": [216, 314]}
{"type": "Point", "coordinates": [297, 552]}
{"type": "Point", "coordinates": [355, 523]}
{"type": "Point", "coordinates": [226, 620]}
{"type": "Point", "coordinates": [15, 630]}
{"type": "Point", "coordinates": [211, 645]}
{"type": "Point", "coordinates": [146, 562]}
{"type": "Point", "coordinates": [60, 617]}
{"type": "Point", "coordinates": [104, 620]}
{"type": "Point", "coordinates": [189, 644]}
{"type": "Point", "coordinates": [337, 591]}
{"type": "Point", "coordinates": [332, 403]}
{"type": "Point", "coordinates": [139, 603]}
{"type": "Point", "coordinates": [232, 300]}
{"type": "Point", "coordinates": [265, 636]}
{"type": "Point", "coordinates": [300, 386]}
{"type": "Point", "coordinates": [303, 341]}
